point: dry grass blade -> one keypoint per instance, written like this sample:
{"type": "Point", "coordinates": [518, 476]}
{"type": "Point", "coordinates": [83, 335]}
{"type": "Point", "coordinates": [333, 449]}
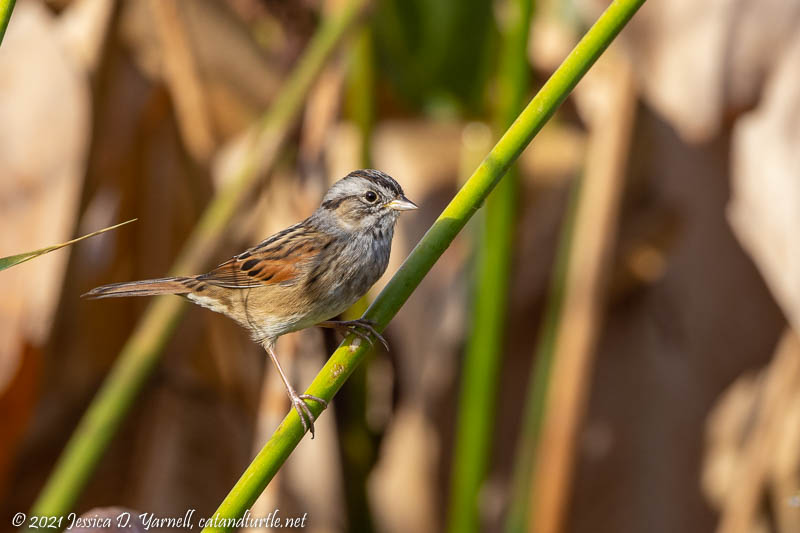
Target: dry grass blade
{"type": "Point", "coordinates": [182, 79]}
{"type": "Point", "coordinates": [7, 262]}
{"type": "Point", "coordinates": [739, 511]}
{"type": "Point", "coordinates": [589, 255]}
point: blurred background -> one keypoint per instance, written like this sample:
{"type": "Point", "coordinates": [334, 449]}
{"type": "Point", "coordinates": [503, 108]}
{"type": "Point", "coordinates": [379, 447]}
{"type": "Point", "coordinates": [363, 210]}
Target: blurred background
{"type": "Point", "coordinates": [609, 347]}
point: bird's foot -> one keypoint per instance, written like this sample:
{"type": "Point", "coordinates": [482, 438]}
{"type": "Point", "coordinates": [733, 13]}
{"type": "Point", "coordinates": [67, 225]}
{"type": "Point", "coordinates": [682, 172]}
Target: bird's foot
{"type": "Point", "coordinates": [361, 328]}
{"type": "Point", "coordinates": [300, 405]}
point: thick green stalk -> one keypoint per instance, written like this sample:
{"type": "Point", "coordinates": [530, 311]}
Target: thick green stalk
{"type": "Point", "coordinates": [461, 208]}
{"type": "Point", "coordinates": [479, 381]}
{"type": "Point", "coordinates": [6, 7]}
{"type": "Point", "coordinates": [143, 349]}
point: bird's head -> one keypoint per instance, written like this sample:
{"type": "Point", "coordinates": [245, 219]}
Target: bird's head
{"type": "Point", "coordinates": [365, 199]}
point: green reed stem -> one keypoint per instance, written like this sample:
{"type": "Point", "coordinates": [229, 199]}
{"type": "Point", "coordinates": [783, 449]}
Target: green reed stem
{"type": "Point", "coordinates": [6, 7]}
{"type": "Point", "coordinates": [461, 208]}
{"type": "Point", "coordinates": [357, 443]}
{"type": "Point", "coordinates": [141, 353]}
{"type": "Point", "coordinates": [360, 96]}
{"type": "Point", "coordinates": [479, 381]}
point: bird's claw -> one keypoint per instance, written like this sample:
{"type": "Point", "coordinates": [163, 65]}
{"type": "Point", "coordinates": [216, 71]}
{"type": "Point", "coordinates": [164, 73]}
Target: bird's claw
{"type": "Point", "coordinates": [306, 416]}
{"type": "Point", "coordinates": [352, 326]}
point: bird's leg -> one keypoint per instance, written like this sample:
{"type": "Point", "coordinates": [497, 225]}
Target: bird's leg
{"type": "Point", "coordinates": [306, 416]}
{"type": "Point", "coordinates": [357, 328]}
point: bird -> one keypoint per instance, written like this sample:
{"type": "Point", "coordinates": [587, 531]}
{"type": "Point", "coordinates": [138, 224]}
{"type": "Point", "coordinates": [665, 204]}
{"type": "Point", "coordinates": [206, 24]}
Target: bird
{"type": "Point", "coordinates": [303, 276]}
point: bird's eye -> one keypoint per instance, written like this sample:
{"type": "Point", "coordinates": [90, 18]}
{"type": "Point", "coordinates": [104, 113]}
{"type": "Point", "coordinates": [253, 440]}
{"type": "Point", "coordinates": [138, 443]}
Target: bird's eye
{"type": "Point", "coordinates": [370, 196]}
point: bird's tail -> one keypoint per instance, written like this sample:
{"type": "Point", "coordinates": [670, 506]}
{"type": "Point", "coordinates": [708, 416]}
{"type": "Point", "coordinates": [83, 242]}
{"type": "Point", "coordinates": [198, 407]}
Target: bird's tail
{"type": "Point", "coordinates": [146, 287]}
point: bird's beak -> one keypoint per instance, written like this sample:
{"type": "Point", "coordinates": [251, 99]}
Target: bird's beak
{"type": "Point", "coordinates": [401, 204]}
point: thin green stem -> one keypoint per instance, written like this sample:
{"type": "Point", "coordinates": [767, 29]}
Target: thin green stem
{"type": "Point", "coordinates": [527, 445]}
{"type": "Point", "coordinates": [360, 103]}
{"type": "Point", "coordinates": [6, 7]}
{"type": "Point", "coordinates": [141, 353]}
{"type": "Point", "coordinates": [468, 199]}
{"type": "Point", "coordinates": [13, 260]}
{"type": "Point", "coordinates": [479, 381]}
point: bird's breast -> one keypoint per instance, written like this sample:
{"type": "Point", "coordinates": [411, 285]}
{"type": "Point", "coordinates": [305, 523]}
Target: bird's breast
{"type": "Point", "coordinates": [352, 270]}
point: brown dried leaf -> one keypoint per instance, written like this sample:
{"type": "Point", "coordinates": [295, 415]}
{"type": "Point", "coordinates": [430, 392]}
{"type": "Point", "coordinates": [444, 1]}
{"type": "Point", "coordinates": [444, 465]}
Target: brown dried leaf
{"type": "Point", "coordinates": [699, 62]}
{"type": "Point", "coordinates": [44, 126]}
{"type": "Point", "coordinates": [765, 210]}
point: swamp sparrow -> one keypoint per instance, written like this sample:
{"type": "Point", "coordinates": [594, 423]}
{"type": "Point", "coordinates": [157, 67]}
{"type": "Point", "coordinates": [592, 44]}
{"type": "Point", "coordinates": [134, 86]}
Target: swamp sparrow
{"type": "Point", "coordinates": [302, 276]}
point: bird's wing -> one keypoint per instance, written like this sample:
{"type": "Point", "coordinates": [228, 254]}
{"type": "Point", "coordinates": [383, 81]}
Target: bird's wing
{"type": "Point", "coordinates": [280, 259]}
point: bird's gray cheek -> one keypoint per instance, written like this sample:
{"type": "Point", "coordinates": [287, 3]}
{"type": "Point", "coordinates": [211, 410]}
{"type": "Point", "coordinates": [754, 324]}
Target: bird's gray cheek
{"type": "Point", "coordinates": [369, 221]}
